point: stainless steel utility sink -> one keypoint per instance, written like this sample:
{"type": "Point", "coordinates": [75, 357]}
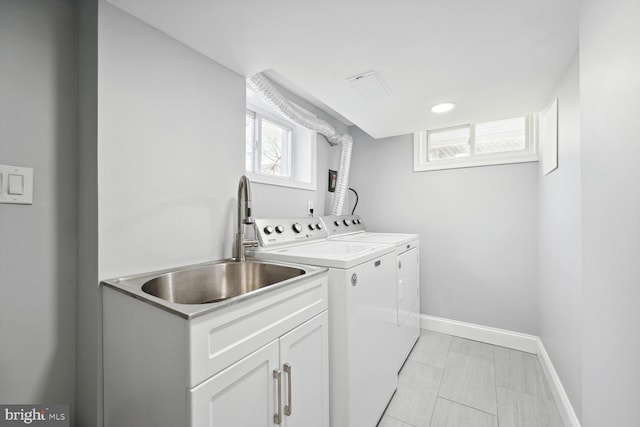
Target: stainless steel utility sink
{"type": "Point", "coordinates": [217, 282]}
{"type": "Point", "coordinates": [195, 290]}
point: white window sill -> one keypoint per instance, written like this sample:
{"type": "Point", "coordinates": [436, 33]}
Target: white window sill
{"type": "Point", "coordinates": [470, 163]}
{"type": "Point", "coordinates": [281, 182]}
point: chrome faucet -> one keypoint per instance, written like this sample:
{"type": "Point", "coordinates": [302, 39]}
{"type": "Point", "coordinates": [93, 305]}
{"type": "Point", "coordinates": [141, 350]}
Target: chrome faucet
{"type": "Point", "coordinates": [244, 218]}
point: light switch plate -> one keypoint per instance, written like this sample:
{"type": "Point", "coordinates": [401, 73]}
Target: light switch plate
{"type": "Point", "coordinates": [26, 198]}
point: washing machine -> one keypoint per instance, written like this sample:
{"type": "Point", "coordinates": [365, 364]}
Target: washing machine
{"type": "Point", "coordinates": [351, 228]}
{"type": "Point", "coordinates": [362, 313]}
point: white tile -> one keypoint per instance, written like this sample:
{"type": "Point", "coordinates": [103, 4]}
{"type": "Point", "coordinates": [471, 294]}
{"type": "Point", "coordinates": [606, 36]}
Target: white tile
{"type": "Point", "coordinates": [388, 421]}
{"type": "Point", "coordinates": [471, 348]}
{"type": "Point", "coordinates": [520, 371]}
{"type": "Point", "coordinates": [516, 409]}
{"type": "Point", "coordinates": [431, 348]}
{"type": "Point", "coordinates": [451, 414]}
{"type": "Point", "coordinates": [466, 387]}
{"type": "Point", "coordinates": [469, 380]}
{"type": "Point", "coordinates": [416, 394]}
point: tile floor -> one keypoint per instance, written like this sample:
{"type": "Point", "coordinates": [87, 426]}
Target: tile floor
{"type": "Point", "coordinates": [454, 382]}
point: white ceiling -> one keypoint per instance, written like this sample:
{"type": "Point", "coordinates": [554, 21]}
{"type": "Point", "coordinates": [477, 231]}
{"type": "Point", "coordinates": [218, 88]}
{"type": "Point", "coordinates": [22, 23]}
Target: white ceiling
{"type": "Point", "coordinates": [493, 58]}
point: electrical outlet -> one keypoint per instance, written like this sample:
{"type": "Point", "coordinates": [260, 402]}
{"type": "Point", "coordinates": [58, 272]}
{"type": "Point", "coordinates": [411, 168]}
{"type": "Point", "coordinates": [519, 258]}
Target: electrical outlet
{"type": "Point", "coordinates": [310, 208]}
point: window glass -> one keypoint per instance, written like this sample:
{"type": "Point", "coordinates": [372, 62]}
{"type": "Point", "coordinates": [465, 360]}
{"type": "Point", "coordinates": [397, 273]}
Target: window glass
{"type": "Point", "coordinates": [449, 143]}
{"type": "Point", "coordinates": [274, 148]}
{"type": "Point", "coordinates": [500, 136]}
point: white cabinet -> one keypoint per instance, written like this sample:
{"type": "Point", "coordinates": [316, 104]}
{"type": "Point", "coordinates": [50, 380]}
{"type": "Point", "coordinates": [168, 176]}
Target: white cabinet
{"type": "Point", "coordinates": [163, 370]}
{"type": "Point", "coordinates": [283, 383]}
{"type": "Point", "coordinates": [241, 395]}
{"type": "Point", "coordinates": [305, 361]}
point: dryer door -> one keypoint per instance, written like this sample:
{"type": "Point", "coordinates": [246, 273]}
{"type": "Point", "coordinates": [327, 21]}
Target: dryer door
{"type": "Point", "coordinates": [408, 302]}
{"type": "Point", "coordinates": [372, 334]}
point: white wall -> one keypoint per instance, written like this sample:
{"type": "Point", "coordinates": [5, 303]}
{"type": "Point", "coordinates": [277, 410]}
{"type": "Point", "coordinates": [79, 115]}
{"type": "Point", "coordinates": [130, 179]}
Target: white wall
{"type": "Point", "coordinates": [478, 229]}
{"type": "Point", "coordinates": [559, 216]}
{"type": "Point", "coordinates": [38, 242]}
{"type": "Point", "coordinates": [610, 101]}
{"type": "Point", "coordinates": [170, 149]}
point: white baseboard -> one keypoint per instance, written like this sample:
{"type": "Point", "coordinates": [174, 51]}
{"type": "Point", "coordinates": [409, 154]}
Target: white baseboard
{"type": "Point", "coordinates": [515, 340]}
{"type": "Point", "coordinates": [495, 336]}
{"type": "Point", "coordinates": [569, 416]}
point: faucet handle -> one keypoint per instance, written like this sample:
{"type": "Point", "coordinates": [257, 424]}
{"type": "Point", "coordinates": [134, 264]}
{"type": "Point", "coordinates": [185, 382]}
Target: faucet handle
{"type": "Point", "coordinates": [250, 243]}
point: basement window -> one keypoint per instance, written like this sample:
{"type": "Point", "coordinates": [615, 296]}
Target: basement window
{"type": "Point", "coordinates": [480, 144]}
{"type": "Point", "coordinates": [277, 152]}
{"type": "Point", "coordinates": [268, 146]}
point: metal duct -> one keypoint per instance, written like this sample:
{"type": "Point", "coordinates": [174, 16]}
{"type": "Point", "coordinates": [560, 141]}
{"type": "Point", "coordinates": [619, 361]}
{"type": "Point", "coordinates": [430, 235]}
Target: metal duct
{"type": "Point", "coordinates": [262, 85]}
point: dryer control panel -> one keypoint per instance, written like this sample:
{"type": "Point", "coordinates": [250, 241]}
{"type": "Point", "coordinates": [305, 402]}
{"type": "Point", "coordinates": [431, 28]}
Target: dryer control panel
{"type": "Point", "coordinates": [281, 231]}
{"type": "Point", "coordinates": [343, 224]}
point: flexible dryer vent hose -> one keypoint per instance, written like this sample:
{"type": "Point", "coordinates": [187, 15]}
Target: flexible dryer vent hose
{"type": "Point", "coordinates": [262, 85]}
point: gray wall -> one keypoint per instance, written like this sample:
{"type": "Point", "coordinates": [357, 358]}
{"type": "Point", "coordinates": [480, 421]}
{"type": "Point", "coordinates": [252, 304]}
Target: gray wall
{"type": "Point", "coordinates": [89, 326]}
{"type": "Point", "coordinates": [478, 228]}
{"type": "Point", "coordinates": [170, 149]}
{"type": "Point", "coordinates": [167, 117]}
{"type": "Point", "coordinates": [38, 242]}
{"type": "Point", "coordinates": [610, 102]}
{"type": "Point", "coordinates": [559, 216]}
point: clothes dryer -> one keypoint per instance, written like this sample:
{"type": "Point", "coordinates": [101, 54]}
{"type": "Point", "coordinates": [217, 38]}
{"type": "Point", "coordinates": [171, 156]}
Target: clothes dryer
{"type": "Point", "coordinates": [351, 228]}
{"type": "Point", "coordinates": [362, 313]}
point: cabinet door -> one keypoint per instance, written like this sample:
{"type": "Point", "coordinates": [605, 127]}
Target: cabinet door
{"type": "Point", "coordinates": [241, 395]}
{"type": "Point", "coordinates": [304, 356]}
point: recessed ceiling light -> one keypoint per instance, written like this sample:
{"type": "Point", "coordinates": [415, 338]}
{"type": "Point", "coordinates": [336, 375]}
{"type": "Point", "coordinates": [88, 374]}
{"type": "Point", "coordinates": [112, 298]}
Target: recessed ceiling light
{"type": "Point", "coordinates": [443, 108]}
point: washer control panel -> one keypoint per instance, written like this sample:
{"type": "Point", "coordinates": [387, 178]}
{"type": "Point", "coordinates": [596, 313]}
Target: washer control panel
{"type": "Point", "coordinates": [343, 224]}
{"type": "Point", "coordinates": [280, 231]}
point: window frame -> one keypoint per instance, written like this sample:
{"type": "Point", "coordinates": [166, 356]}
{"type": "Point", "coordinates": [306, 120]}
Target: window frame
{"type": "Point", "coordinates": [257, 112]}
{"type": "Point", "coordinates": [421, 162]}
{"type": "Point", "coordinates": [258, 118]}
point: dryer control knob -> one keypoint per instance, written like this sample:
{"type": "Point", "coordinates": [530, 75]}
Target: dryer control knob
{"type": "Point", "coordinates": [347, 222]}
{"type": "Point", "coordinates": [311, 227]}
{"type": "Point", "coordinates": [297, 227]}
{"type": "Point", "coordinates": [268, 230]}
{"type": "Point", "coordinates": [279, 229]}
{"type": "Point", "coordinates": [319, 226]}
{"type": "Point", "coordinates": [336, 222]}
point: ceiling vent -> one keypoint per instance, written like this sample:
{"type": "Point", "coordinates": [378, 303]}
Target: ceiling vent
{"type": "Point", "coordinates": [370, 86]}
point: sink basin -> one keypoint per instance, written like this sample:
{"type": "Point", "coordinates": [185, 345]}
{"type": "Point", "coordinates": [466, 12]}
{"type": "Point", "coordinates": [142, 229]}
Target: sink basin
{"type": "Point", "coordinates": [217, 282]}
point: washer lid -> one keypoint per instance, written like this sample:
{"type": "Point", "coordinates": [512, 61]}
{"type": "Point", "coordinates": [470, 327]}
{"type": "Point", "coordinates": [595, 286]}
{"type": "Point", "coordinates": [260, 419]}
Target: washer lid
{"type": "Point", "coordinates": [329, 253]}
{"type": "Point", "coordinates": [387, 238]}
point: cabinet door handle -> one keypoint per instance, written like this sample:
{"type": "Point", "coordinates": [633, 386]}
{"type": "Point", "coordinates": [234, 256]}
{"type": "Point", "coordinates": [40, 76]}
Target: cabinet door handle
{"type": "Point", "coordinates": [277, 417]}
{"type": "Point", "coordinates": [287, 407]}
